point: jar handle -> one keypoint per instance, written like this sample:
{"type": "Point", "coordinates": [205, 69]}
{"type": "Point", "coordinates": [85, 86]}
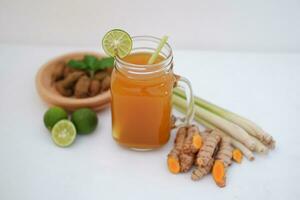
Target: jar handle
{"type": "Point", "coordinates": [185, 84]}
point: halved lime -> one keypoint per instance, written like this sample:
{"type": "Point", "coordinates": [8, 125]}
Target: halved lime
{"type": "Point", "coordinates": [63, 133]}
{"type": "Point", "coordinates": [117, 43]}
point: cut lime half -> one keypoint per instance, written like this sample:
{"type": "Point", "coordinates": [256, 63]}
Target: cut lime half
{"type": "Point", "coordinates": [117, 43]}
{"type": "Point", "coordinates": [63, 133]}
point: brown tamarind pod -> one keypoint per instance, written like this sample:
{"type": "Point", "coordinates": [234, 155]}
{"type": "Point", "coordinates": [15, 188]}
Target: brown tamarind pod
{"type": "Point", "coordinates": [100, 75]}
{"type": "Point", "coordinates": [58, 72]}
{"type": "Point", "coordinates": [109, 70]}
{"type": "Point", "coordinates": [71, 79]}
{"type": "Point", "coordinates": [69, 70]}
{"type": "Point", "coordinates": [105, 84]}
{"type": "Point", "coordinates": [65, 86]}
{"type": "Point", "coordinates": [94, 88]}
{"type": "Point", "coordinates": [67, 92]}
{"type": "Point", "coordinates": [81, 89]}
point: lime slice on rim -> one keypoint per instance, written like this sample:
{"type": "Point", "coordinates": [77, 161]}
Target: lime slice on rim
{"type": "Point", "coordinates": [63, 133]}
{"type": "Point", "coordinates": [117, 43]}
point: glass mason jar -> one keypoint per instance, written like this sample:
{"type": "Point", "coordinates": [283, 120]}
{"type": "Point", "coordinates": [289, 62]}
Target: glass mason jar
{"type": "Point", "coordinates": [142, 95]}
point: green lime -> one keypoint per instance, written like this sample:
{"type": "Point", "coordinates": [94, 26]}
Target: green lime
{"type": "Point", "coordinates": [63, 133]}
{"type": "Point", "coordinates": [53, 115]}
{"type": "Point", "coordinates": [85, 120]}
{"type": "Point", "coordinates": [117, 43]}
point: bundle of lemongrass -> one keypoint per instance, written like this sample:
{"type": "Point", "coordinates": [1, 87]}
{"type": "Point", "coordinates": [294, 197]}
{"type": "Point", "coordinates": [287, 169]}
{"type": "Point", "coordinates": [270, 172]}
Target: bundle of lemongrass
{"type": "Point", "coordinates": [243, 133]}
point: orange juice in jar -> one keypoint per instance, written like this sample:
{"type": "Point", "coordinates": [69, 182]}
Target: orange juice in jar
{"type": "Point", "coordinates": [142, 95]}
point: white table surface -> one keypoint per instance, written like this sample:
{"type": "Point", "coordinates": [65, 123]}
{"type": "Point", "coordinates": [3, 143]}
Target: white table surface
{"type": "Point", "coordinates": [262, 87]}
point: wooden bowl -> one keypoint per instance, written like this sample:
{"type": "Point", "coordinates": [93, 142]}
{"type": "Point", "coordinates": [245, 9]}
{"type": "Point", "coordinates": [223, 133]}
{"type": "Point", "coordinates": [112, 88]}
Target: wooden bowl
{"type": "Point", "coordinates": [50, 95]}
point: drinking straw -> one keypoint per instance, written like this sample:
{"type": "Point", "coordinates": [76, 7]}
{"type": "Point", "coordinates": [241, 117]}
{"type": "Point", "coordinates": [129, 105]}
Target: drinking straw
{"type": "Point", "coordinates": [163, 41]}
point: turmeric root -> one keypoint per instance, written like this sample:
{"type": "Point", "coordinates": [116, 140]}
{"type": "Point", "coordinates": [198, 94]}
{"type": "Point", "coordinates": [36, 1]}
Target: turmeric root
{"type": "Point", "coordinates": [223, 160]}
{"type": "Point", "coordinates": [186, 161]}
{"type": "Point", "coordinates": [94, 88]}
{"type": "Point", "coordinates": [173, 122]}
{"type": "Point", "coordinates": [191, 145]}
{"type": "Point", "coordinates": [64, 87]}
{"type": "Point", "coordinates": [218, 173]}
{"type": "Point", "coordinates": [207, 150]}
{"type": "Point", "coordinates": [193, 142]}
{"type": "Point", "coordinates": [82, 87]}
{"type": "Point", "coordinates": [249, 155]}
{"type": "Point", "coordinates": [173, 157]}
{"type": "Point", "coordinates": [237, 155]}
{"type": "Point", "coordinates": [205, 157]}
{"type": "Point", "coordinates": [199, 172]}
{"type": "Point", "coordinates": [225, 152]}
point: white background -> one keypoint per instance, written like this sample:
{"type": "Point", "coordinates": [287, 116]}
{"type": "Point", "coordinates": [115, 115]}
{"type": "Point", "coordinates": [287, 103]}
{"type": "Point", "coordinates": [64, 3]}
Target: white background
{"type": "Point", "coordinates": [256, 25]}
{"type": "Point", "coordinates": [266, 90]}
{"type": "Point", "coordinates": [242, 55]}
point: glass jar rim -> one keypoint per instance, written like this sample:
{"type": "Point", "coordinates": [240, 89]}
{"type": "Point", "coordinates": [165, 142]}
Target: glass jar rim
{"type": "Point", "coordinates": [168, 58]}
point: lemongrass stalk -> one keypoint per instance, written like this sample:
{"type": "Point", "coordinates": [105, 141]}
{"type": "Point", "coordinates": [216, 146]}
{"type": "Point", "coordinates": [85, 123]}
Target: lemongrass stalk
{"type": "Point", "coordinates": [232, 129]}
{"type": "Point", "coordinates": [248, 154]}
{"type": "Point", "coordinates": [259, 146]}
{"type": "Point", "coordinates": [259, 133]}
{"type": "Point", "coordinates": [252, 128]}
